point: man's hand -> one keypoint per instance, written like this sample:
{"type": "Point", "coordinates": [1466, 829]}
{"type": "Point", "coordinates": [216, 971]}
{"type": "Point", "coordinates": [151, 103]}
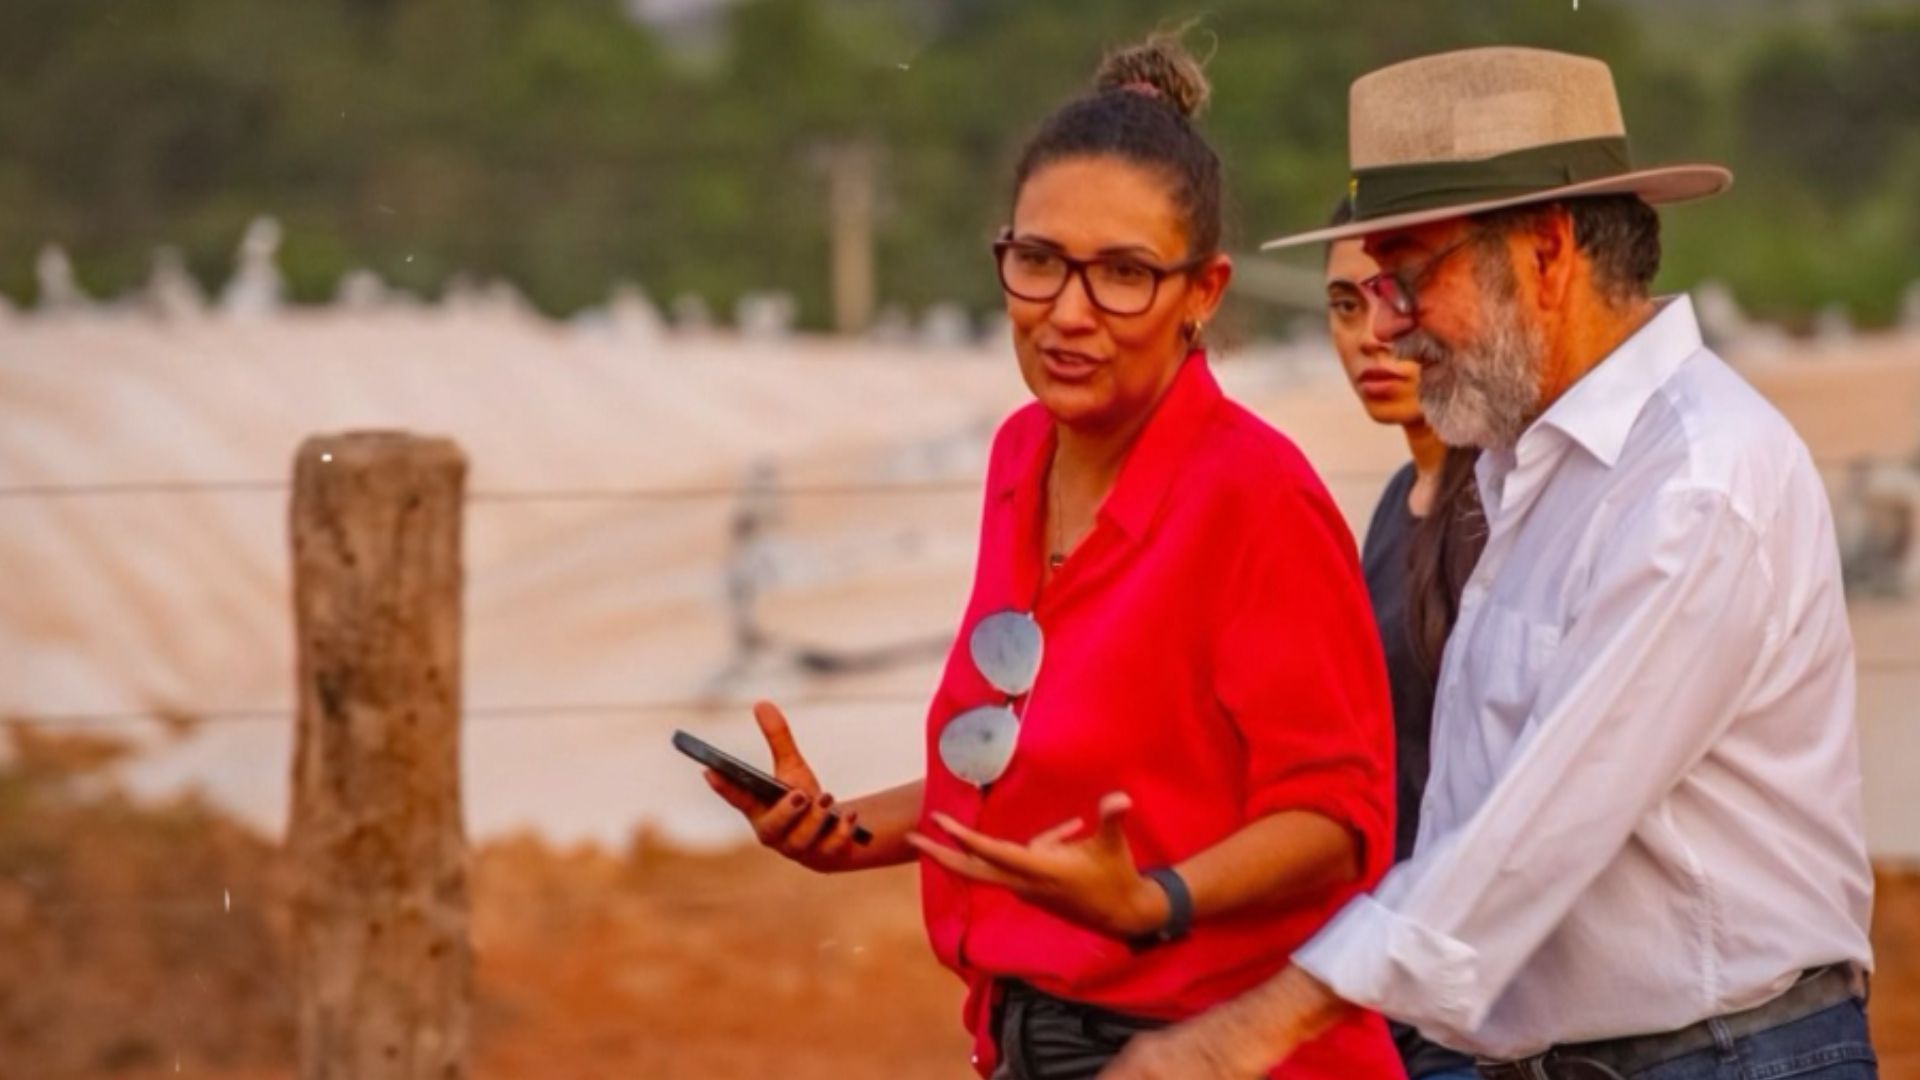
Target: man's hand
{"type": "Point", "coordinates": [1207, 1047]}
{"type": "Point", "coordinates": [1241, 1040]}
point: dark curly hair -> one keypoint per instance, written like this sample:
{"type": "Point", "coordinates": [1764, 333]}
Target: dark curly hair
{"type": "Point", "coordinates": [1141, 110]}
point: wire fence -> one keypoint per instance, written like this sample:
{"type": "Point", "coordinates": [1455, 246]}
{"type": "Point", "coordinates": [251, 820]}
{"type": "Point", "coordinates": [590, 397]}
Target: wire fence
{"type": "Point", "coordinates": [652, 709]}
{"type": "Point", "coordinates": [114, 489]}
{"type": "Point", "coordinates": [655, 710]}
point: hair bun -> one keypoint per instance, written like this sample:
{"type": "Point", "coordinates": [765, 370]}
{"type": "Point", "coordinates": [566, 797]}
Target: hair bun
{"type": "Point", "coordinates": [1160, 67]}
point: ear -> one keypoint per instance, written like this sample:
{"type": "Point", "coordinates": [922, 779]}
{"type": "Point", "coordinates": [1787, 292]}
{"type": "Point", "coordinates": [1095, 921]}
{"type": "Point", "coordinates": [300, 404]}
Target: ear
{"type": "Point", "coordinates": [1551, 256]}
{"type": "Point", "coordinates": [1209, 286]}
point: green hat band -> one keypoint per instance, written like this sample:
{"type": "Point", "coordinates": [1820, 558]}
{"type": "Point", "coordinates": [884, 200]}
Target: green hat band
{"type": "Point", "coordinates": [1431, 185]}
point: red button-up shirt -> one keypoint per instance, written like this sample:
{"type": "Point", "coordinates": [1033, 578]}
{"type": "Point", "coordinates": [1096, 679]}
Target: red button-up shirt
{"type": "Point", "coordinates": [1209, 650]}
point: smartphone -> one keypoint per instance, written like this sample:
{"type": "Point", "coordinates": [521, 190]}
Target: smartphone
{"type": "Point", "coordinates": [756, 783]}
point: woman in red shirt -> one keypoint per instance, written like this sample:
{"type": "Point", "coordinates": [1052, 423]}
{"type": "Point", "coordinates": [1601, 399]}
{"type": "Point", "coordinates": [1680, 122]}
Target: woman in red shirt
{"type": "Point", "coordinates": [1160, 756]}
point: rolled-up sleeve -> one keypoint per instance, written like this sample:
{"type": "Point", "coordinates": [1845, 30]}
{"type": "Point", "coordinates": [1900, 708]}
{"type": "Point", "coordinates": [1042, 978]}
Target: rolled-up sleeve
{"type": "Point", "coordinates": [1299, 671]}
{"type": "Point", "coordinates": [1644, 679]}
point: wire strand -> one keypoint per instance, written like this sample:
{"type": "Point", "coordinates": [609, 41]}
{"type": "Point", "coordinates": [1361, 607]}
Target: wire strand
{"type": "Point", "coordinates": [647, 493]}
{"type": "Point", "coordinates": [134, 488]}
{"type": "Point", "coordinates": [658, 708]}
{"type": "Point", "coordinates": [188, 718]}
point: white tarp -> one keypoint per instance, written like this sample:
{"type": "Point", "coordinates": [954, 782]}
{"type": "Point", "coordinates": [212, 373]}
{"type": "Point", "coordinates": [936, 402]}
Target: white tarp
{"type": "Point", "coordinates": [598, 609]}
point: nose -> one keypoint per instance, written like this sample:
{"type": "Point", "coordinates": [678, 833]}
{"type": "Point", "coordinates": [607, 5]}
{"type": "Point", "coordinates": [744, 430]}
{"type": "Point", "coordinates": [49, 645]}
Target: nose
{"type": "Point", "coordinates": [1073, 309]}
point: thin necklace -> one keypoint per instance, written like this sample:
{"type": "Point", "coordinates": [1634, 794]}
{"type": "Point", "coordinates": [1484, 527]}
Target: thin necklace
{"type": "Point", "coordinates": [1056, 529]}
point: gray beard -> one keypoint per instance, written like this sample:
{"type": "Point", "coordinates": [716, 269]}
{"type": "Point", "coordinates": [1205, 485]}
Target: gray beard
{"type": "Point", "coordinates": [1483, 393]}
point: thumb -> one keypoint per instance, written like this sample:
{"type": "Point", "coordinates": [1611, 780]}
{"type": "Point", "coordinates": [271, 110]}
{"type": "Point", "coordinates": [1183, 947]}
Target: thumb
{"type": "Point", "coordinates": [1113, 812]}
{"type": "Point", "coordinates": [788, 765]}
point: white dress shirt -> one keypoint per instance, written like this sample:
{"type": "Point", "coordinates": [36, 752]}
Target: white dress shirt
{"type": "Point", "coordinates": [1644, 808]}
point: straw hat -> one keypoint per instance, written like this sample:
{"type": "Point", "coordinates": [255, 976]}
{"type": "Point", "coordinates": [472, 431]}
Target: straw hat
{"type": "Point", "coordinates": [1479, 129]}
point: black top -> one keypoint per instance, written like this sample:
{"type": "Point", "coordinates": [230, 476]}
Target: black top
{"type": "Point", "coordinates": [1385, 560]}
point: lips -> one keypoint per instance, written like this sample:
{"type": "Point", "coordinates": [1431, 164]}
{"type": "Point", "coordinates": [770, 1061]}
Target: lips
{"type": "Point", "coordinates": [1381, 383]}
{"type": "Point", "coordinates": [1066, 365]}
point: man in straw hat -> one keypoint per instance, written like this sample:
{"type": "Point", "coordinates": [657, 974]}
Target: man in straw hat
{"type": "Point", "coordinates": [1641, 851]}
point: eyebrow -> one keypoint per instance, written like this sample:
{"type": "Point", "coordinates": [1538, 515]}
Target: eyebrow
{"type": "Point", "coordinates": [1392, 245]}
{"type": "Point", "coordinates": [1343, 285]}
{"type": "Point", "coordinates": [1114, 249]}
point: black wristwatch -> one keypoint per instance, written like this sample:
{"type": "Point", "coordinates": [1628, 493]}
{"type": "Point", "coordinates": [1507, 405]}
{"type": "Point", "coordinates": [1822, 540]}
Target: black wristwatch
{"type": "Point", "coordinates": [1179, 911]}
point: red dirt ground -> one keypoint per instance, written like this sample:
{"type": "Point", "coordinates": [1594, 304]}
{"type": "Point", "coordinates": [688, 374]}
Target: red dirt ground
{"type": "Point", "coordinates": [738, 965]}
{"type": "Point", "coordinates": [121, 958]}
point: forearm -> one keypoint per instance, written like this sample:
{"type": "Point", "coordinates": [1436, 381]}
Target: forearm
{"type": "Point", "coordinates": [889, 814]}
{"type": "Point", "coordinates": [1270, 863]}
{"type": "Point", "coordinates": [1267, 1024]}
{"type": "Point", "coordinates": [1244, 1038]}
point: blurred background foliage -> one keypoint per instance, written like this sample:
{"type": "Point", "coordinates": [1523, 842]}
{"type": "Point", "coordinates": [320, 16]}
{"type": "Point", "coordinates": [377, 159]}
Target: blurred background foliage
{"type": "Point", "coordinates": [564, 145]}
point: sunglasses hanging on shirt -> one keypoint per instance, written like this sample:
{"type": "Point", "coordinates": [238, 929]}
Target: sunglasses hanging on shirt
{"type": "Point", "coordinates": [977, 745]}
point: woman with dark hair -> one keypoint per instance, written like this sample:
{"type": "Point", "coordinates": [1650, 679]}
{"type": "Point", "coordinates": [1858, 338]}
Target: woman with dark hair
{"type": "Point", "coordinates": [1426, 534]}
{"type": "Point", "coordinates": [1159, 756]}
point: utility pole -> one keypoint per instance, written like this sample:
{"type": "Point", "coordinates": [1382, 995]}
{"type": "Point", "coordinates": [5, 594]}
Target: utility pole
{"type": "Point", "coordinates": [851, 168]}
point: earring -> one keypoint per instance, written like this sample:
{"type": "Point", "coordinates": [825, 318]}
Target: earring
{"type": "Point", "coordinates": [1191, 330]}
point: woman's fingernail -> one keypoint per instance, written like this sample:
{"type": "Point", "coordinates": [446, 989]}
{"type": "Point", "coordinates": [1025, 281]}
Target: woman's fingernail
{"type": "Point", "coordinates": [799, 799]}
{"type": "Point", "coordinates": [826, 800]}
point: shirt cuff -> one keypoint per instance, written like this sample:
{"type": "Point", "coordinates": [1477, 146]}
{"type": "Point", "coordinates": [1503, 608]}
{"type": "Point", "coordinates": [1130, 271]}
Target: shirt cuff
{"type": "Point", "coordinates": [1370, 829]}
{"type": "Point", "coordinates": [1374, 957]}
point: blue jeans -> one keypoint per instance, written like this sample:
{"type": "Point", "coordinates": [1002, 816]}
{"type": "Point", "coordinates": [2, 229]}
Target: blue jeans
{"type": "Point", "coordinates": [1829, 1045]}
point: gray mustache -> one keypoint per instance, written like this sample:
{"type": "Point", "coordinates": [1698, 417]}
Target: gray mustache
{"type": "Point", "coordinates": [1421, 347]}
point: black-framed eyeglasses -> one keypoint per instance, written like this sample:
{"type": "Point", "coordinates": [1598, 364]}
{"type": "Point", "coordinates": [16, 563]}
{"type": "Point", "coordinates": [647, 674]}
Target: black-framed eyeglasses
{"type": "Point", "coordinates": [1400, 290]}
{"type": "Point", "coordinates": [1117, 284]}
{"type": "Point", "coordinates": [977, 745]}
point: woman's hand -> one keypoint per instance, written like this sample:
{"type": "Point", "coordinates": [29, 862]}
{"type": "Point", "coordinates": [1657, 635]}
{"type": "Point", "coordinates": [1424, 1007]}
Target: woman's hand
{"type": "Point", "coordinates": [1091, 881]}
{"type": "Point", "coordinates": [797, 826]}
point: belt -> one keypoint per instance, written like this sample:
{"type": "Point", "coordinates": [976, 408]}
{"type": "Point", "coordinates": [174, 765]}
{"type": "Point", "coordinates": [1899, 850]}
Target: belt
{"type": "Point", "coordinates": [1043, 1037]}
{"type": "Point", "coordinates": [1818, 989]}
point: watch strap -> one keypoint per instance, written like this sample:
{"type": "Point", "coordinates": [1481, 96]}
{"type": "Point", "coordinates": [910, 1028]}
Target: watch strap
{"type": "Point", "coordinates": [1179, 910]}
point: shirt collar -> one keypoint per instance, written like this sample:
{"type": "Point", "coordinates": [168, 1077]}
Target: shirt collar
{"type": "Point", "coordinates": [1599, 411]}
{"type": "Point", "coordinates": [1155, 458]}
{"type": "Point", "coordinates": [1161, 449]}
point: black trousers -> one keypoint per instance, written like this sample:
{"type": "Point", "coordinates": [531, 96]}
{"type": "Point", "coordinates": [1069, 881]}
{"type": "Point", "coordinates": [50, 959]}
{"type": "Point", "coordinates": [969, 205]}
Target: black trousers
{"type": "Point", "coordinates": [1043, 1037]}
